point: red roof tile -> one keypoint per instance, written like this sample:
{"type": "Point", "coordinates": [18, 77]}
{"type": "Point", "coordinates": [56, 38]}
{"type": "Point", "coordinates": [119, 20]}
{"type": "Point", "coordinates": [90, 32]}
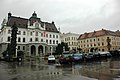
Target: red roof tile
{"type": "Point", "coordinates": [98, 33]}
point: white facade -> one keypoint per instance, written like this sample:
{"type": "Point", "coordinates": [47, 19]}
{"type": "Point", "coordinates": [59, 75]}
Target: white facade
{"type": "Point", "coordinates": [70, 39]}
{"type": "Point", "coordinates": [33, 40]}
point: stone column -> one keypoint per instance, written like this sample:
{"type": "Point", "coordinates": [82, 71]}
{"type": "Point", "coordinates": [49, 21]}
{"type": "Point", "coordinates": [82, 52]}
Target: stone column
{"type": "Point", "coordinates": [36, 50]}
{"type": "Point", "coordinates": [29, 50]}
{"type": "Point", "coordinates": [43, 50]}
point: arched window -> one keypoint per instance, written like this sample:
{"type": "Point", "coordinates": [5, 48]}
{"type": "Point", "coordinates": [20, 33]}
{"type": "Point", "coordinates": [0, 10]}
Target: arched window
{"type": "Point", "coordinates": [8, 38]}
{"type": "Point", "coordinates": [50, 35]}
{"type": "Point", "coordinates": [57, 42]}
{"type": "Point", "coordinates": [23, 39]}
{"type": "Point", "coordinates": [50, 42]}
{"type": "Point", "coordinates": [30, 39]}
{"type": "Point", "coordinates": [46, 41]}
{"type": "Point", "coordinates": [36, 25]}
{"type": "Point", "coordinates": [19, 39]}
{"type": "Point", "coordinates": [53, 41]}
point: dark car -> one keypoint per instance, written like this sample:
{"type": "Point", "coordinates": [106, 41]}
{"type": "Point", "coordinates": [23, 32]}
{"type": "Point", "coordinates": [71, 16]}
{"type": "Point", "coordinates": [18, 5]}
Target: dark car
{"type": "Point", "coordinates": [89, 56]}
{"type": "Point", "coordinates": [105, 54]}
{"type": "Point", "coordinates": [96, 55]}
{"type": "Point", "coordinates": [65, 58]}
{"type": "Point", "coordinates": [77, 57]}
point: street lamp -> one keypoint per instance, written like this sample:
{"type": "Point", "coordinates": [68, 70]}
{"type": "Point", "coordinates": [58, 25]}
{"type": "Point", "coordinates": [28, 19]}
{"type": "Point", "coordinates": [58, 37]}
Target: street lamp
{"type": "Point", "coordinates": [51, 49]}
{"type": "Point", "coordinates": [63, 48]}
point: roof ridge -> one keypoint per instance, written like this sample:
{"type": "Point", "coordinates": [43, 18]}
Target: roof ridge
{"type": "Point", "coordinates": [19, 17]}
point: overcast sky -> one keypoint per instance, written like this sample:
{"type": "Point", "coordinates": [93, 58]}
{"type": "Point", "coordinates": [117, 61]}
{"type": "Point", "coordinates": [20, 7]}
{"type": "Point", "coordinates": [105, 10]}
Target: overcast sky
{"type": "Point", "coordinates": [78, 16]}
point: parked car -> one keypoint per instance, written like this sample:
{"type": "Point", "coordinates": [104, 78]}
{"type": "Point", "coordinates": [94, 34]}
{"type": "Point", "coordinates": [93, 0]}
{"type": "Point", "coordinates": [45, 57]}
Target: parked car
{"type": "Point", "coordinates": [77, 57]}
{"type": "Point", "coordinates": [105, 54]}
{"type": "Point", "coordinates": [65, 58]}
{"type": "Point", "coordinates": [51, 59]}
{"type": "Point", "coordinates": [96, 55]}
{"type": "Point", "coordinates": [89, 56]}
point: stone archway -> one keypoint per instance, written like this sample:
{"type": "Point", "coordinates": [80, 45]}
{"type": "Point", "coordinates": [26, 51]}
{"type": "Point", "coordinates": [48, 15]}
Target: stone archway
{"type": "Point", "coordinates": [33, 50]}
{"type": "Point", "coordinates": [40, 50]}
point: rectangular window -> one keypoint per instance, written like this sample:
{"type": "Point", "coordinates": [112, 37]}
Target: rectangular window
{"type": "Point", "coordinates": [23, 47]}
{"type": "Point", "coordinates": [53, 36]}
{"type": "Point", "coordinates": [98, 39]}
{"type": "Point", "coordinates": [102, 44]}
{"type": "Point", "coordinates": [36, 39]}
{"type": "Point", "coordinates": [30, 39]}
{"type": "Point", "coordinates": [24, 33]}
{"type": "Point", "coordinates": [31, 33]}
{"type": "Point", "coordinates": [46, 41]}
{"type": "Point", "coordinates": [56, 36]}
{"type": "Point", "coordinates": [87, 40]}
{"type": "Point", "coordinates": [98, 44]}
{"type": "Point", "coordinates": [57, 42]}
{"type": "Point", "coordinates": [46, 35]}
{"type": "Point", "coordinates": [9, 39]}
{"type": "Point", "coordinates": [36, 33]}
{"type": "Point", "coordinates": [90, 40]}
{"type": "Point", "coordinates": [50, 42]}
{"type": "Point", "coordinates": [41, 40]}
{"type": "Point", "coordinates": [18, 47]}
{"type": "Point", "coordinates": [53, 41]}
{"type": "Point", "coordinates": [23, 39]}
{"type": "Point", "coordinates": [50, 36]}
{"type": "Point", "coordinates": [41, 34]}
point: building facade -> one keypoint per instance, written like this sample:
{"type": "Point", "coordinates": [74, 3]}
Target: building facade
{"type": "Point", "coordinates": [35, 37]}
{"type": "Point", "coordinates": [97, 40]}
{"type": "Point", "coordinates": [70, 39]}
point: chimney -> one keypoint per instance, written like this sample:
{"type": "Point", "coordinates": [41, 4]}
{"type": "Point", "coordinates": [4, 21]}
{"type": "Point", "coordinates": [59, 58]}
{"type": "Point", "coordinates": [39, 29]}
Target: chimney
{"type": "Point", "coordinates": [9, 15]}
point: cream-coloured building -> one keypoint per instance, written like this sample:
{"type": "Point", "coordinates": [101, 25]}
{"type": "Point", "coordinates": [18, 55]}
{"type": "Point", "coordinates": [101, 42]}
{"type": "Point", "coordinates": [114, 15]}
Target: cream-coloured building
{"type": "Point", "coordinates": [70, 39]}
{"type": "Point", "coordinates": [97, 40]}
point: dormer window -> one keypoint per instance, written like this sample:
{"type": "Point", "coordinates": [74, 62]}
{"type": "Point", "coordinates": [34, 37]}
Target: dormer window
{"type": "Point", "coordinates": [36, 25]}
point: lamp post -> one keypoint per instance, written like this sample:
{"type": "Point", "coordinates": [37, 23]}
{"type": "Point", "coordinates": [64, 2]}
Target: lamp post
{"type": "Point", "coordinates": [63, 48]}
{"type": "Point", "coordinates": [51, 49]}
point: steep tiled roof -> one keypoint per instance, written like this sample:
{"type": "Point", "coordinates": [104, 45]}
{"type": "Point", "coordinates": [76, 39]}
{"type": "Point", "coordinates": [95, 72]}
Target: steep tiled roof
{"type": "Point", "coordinates": [51, 27]}
{"type": "Point", "coordinates": [20, 22]}
{"type": "Point", "coordinates": [98, 33]}
{"type": "Point", "coordinates": [23, 22]}
{"type": "Point", "coordinates": [118, 33]}
{"type": "Point", "coordinates": [32, 20]}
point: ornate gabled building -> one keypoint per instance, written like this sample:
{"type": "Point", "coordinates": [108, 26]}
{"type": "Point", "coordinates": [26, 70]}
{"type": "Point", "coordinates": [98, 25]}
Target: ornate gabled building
{"type": "Point", "coordinates": [97, 40]}
{"type": "Point", "coordinates": [35, 37]}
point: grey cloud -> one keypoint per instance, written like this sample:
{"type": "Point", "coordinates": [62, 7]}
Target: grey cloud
{"type": "Point", "coordinates": [70, 15]}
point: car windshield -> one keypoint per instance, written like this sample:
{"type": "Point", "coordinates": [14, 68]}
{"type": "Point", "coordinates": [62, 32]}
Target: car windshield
{"type": "Point", "coordinates": [66, 55]}
{"type": "Point", "coordinates": [77, 54]}
{"type": "Point", "coordinates": [51, 56]}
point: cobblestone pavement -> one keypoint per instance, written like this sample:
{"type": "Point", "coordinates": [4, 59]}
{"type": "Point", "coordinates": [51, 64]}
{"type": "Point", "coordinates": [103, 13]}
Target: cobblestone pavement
{"type": "Point", "coordinates": [108, 69]}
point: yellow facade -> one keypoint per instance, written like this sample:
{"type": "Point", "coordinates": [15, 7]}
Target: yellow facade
{"type": "Point", "coordinates": [99, 43]}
